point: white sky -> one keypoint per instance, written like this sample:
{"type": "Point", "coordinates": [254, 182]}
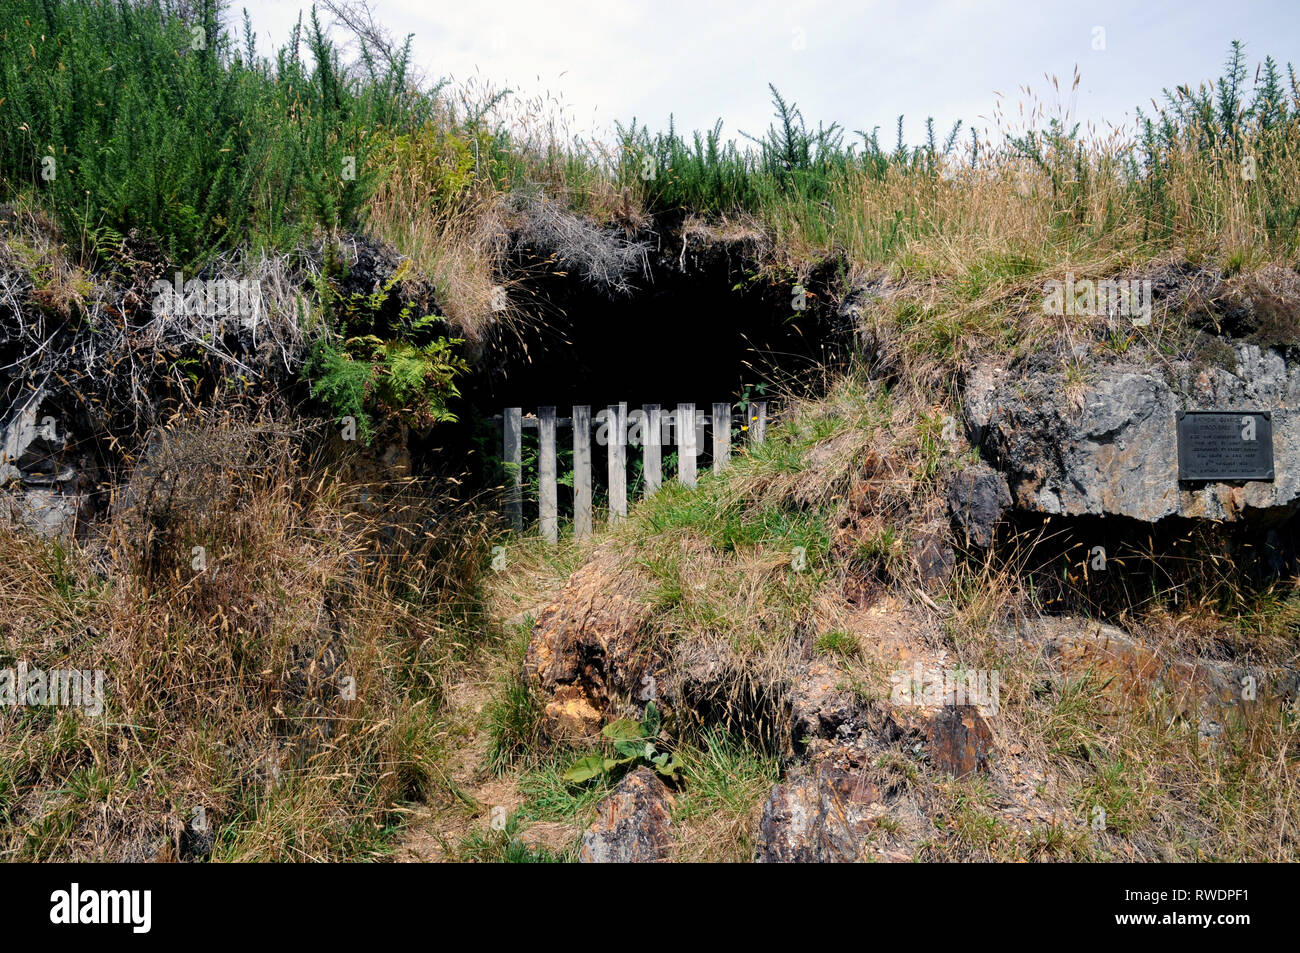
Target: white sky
{"type": "Point", "coordinates": [858, 62]}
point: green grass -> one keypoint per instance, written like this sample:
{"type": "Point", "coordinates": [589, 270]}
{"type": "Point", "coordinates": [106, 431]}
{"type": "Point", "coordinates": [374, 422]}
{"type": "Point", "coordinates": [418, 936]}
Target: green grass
{"type": "Point", "coordinates": [838, 643]}
{"type": "Point", "coordinates": [513, 716]}
{"type": "Point", "coordinates": [505, 847]}
{"type": "Point", "coordinates": [726, 782]}
{"type": "Point", "coordinates": [548, 797]}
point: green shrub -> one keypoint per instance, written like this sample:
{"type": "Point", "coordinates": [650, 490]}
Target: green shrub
{"type": "Point", "coordinates": [129, 116]}
{"type": "Point", "coordinates": [407, 377]}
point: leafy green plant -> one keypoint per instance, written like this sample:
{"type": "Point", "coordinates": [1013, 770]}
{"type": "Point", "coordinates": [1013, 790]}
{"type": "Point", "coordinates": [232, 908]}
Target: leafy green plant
{"type": "Point", "coordinates": [632, 741]}
{"type": "Point", "coordinates": [150, 116]}
{"type": "Point", "coordinates": [407, 376]}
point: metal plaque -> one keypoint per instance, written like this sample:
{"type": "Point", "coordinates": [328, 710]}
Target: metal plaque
{"type": "Point", "coordinates": [1225, 445]}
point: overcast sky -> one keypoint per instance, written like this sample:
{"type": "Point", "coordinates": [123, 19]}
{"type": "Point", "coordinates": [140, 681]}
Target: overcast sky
{"type": "Point", "coordinates": [857, 62]}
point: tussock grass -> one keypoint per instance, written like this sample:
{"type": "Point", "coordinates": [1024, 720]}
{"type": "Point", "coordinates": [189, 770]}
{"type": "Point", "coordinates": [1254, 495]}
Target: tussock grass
{"type": "Point", "coordinates": [727, 782]}
{"type": "Point", "coordinates": [291, 688]}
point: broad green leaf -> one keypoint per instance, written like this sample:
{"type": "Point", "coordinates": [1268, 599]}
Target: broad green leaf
{"type": "Point", "coordinates": [628, 749]}
{"type": "Point", "coordinates": [650, 725]}
{"type": "Point", "coordinates": [585, 769]}
{"type": "Point", "coordinates": [625, 729]}
{"type": "Point", "coordinates": [667, 765]}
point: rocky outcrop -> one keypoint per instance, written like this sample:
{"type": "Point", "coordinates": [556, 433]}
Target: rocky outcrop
{"type": "Point", "coordinates": [1105, 443]}
{"type": "Point", "coordinates": [977, 498]}
{"type": "Point", "coordinates": [633, 825]}
{"type": "Point", "coordinates": [1127, 673]}
{"type": "Point", "coordinates": [824, 813]}
{"type": "Point", "coordinates": [589, 647]}
{"type": "Point", "coordinates": [820, 707]}
{"type": "Point", "coordinates": [43, 483]}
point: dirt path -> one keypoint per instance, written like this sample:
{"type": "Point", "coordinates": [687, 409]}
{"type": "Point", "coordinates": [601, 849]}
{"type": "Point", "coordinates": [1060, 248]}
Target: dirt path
{"type": "Point", "coordinates": [437, 830]}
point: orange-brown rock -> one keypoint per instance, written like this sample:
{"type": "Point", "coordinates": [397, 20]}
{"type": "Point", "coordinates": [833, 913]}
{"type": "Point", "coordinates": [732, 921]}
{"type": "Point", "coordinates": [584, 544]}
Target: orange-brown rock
{"type": "Point", "coordinates": [960, 741]}
{"type": "Point", "coordinates": [1129, 673]}
{"type": "Point", "coordinates": [589, 647]}
{"type": "Point", "coordinates": [633, 825]}
{"type": "Point", "coordinates": [823, 813]}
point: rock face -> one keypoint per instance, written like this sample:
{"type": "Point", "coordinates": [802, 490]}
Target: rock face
{"type": "Point", "coordinates": [977, 498]}
{"type": "Point", "coordinates": [633, 825]}
{"type": "Point", "coordinates": [1129, 673]}
{"type": "Point", "coordinates": [588, 647]}
{"type": "Point", "coordinates": [1109, 446]}
{"type": "Point", "coordinates": [823, 814]}
{"type": "Point", "coordinates": [41, 484]}
{"type": "Point", "coordinates": [960, 740]}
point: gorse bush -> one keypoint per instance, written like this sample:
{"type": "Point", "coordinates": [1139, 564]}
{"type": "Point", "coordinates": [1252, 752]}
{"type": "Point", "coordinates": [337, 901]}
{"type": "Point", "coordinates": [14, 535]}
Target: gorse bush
{"type": "Point", "coordinates": [1219, 133]}
{"type": "Point", "coordinates": [155, 116]}
{"type": "Point", "coordinates": [1213, 166]}
{"type": "Point", "coordinates": [788, 163]}
{"type": "Point", "coordinates": [131, 116]}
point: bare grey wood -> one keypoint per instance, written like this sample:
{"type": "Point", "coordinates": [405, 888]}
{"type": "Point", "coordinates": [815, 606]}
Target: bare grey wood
{"type": "Point", "coordinates": [581, 471]}
{"type": "Point", "coordinates": [721, 436]}
{"type": "Point", "coordinates": [547, 503]}
{"type": "Point", "coordinates": [617, 431]}
{"type": "Point", "coordinates": [511, 453]}
{"type": "Point", "coordinates": [685, 427]}
{"type": "Point", "coordinates": [758, 421]}
{"type": "Point", "coordinates": [652, 449]}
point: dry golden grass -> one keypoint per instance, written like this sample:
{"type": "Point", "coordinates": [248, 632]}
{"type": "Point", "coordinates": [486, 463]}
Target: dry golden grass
{"type": "Point", "coordinates": [291, 688]}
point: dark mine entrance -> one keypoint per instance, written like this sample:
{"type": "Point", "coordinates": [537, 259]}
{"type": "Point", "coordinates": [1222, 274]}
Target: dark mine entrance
{"type": "Point", "coordinates": [711, 331]}
{"type": "Point", "coordinates": [701, 335]}
{"type": "Point", "coordinates": [1104, 566]}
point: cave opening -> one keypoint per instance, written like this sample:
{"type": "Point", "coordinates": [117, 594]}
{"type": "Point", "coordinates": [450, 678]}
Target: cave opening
{"type": "Point", "coordinates": [1107, 566]}
{"type": "Point", "coordinates": [704, 327]}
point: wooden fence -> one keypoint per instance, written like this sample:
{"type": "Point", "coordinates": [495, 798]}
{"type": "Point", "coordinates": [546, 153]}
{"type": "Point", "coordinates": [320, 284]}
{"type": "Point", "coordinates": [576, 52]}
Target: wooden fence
{"type": "Point", "coordinates": [649, 428]}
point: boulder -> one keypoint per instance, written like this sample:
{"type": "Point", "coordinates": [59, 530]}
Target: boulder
{"type": "Point", "coordinates": [589, 647]}
{"type": "Point", "coordinates": [1108, 445]}
{"type": "Point", "coordinates": [633, 825]}
{"type": "Point", "coordinates": [823, 813]}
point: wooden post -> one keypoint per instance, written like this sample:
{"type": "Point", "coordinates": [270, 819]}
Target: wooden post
{"type": "Point", "coordinates": [617, 431]}
{"type": "Point", "coordinates": [686, 444]}
{"type": "Point", "coordinates": [581, 471]}
{"type": "Point", "coordinates": [758, 421]}
{"type": "Point", "coordinates": [651, 449]}
{"type": "Point", "coordinates": [721, 436]}
{"type": "Point", "coordinates": [548, 509]}
{"type": "Point", "coordinates": [512, 453]}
